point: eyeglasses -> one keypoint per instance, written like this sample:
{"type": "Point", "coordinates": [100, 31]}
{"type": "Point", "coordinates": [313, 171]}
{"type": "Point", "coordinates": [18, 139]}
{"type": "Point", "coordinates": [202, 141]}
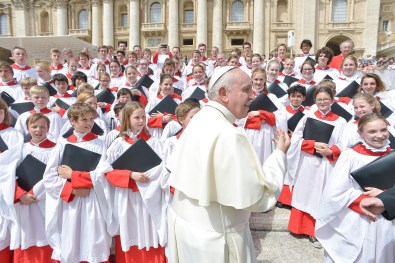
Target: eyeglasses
{"type": "Point", "coordinates": [105, 80]}
{"type": "Point", "coordinates": [307, 69]}
{"type": "Point", "coordinates": [102, 50]}
{"type": "Point", "coordinates": [322, 100]}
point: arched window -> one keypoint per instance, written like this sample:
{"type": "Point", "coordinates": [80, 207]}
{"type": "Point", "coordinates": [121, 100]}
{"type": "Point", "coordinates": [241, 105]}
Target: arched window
{"type": "Point", "coordinates": [124, 22]}
{"type": "Point", "coordinates": [339, 10]}
{"type": "Point", "coordinates": [83, 19]}
{"type": "Point", "coordinates": [188, 13]}
{"type": "Point", "coordinates": [282, 6]}
{"type": "Point", "coordinates": [155, 13]}
{"type": "Point", "coordinates": [44, 22]}
{"type": "Point", "coordinates": [3, 24]}
{"type": "Point", "coordinates": [237, 14]}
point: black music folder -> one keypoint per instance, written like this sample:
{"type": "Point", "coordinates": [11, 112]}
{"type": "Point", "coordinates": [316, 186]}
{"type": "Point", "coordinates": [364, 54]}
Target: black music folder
{"type": "Point", "coordinates": [310, 59]}
{"type": "Point", "coordinates": [106, 96]}
{"type": "Point", "coordinates": [309, 100]}
{"type": "Point", "coordinates": [339, 110]}
{"type": "Point", "coordinates": [22, 107]}
{"type": "Point", "coordinates": [177, 91]}
{"type": "Point", "coordinates": [198, 94]}
{"type": "Point", "coordinates": [75, 93]}
{"type": "Point", "coordinates": [145, 81]}
{"type": "Point", "coordinates": [294, 120]}
{"type": "Point", "coordinates": [384, 110]}
{"type": "Point", "coordinates": [8, 99]}
{"type": "Point", "coordinates": [318, 131]}
{"type": "Point", "coordinates": [391, 138]}
{"type": "Point", "coordinates": [262, 102]}
{"type": "Point", "coordinates": [378, 174]}
{"type": "Point", "coordinates": [140, 88]}
{"type": "Point", "coordinates": [167, 105]}
{"type": "Point", "coordinates": [277, 90]}
{"type": "Point", "coordinates": [328, 77]}
{"type": "Point", "coordinates": [349, 91]}
{"type": "Point", "coordinates": [95, 129]}
{"type": "Point", "coordinates": [29, 172]}
{"type": "Point", "coordinates": [80, 159]}
{"type": "Point", "coordinates": [139, 157]}
{"type": "Point", "coordinates": [289, 80]}
{"type": "Point", "coordinates": [51, 90]}
{"type": "Point", "coordinates": [3, 145]}
{"type": "Point", "coordinates": [61, 104]}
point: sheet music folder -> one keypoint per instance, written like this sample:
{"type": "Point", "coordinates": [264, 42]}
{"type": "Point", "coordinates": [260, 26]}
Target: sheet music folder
{"type": "Point", "coordinates": [139, 157]}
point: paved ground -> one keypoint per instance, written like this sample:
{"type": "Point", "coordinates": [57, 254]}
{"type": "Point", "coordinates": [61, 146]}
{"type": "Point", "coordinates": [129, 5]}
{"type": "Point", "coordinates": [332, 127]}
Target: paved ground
{"type": "Point", "coordinates": [274, 244]}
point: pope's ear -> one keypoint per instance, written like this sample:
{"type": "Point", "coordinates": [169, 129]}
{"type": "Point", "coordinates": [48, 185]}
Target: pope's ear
{"type": "Point", "coordinates": [222, 92]}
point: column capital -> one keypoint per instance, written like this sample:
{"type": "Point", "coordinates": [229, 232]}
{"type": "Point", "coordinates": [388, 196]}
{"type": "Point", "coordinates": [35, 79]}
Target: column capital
{"type": "Point", "coordinates": [61, 3]}
{"type": "Point", "coordinates": [95, 2]}
{"type": "Point", "coordinates": [20, 4]}
{"type": "Point", "coordinates": [108, 1]}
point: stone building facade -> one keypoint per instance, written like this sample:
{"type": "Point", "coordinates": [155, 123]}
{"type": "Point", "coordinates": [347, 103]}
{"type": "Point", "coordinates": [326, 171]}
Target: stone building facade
{"type": "Point", "coordinates": [225, 24]}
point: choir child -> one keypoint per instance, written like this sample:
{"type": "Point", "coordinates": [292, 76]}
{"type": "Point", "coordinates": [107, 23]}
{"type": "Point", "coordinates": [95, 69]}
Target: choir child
{"type": "Point", "coordinates": [21, 69]}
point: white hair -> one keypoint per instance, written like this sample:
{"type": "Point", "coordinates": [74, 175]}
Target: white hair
{"type": "Point", "coordinates": [224, 81]}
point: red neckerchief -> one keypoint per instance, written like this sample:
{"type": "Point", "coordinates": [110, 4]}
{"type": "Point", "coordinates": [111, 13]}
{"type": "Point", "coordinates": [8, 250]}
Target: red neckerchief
{"type": "Point", "coordinates": [125, 63]}
{"type": "Point", "coordinates": [114, 89]}
{"type": "Point", "coordinates": [330, 116]}
{"type": "Point", "coordinates": [120, 74]}
{"type": "Point", "coordinates": [58, 67]}
{"type": "Point", "coordinates": [173, 96]}
{"type": "Point", "coordinates": [319, 68]}
{"type": "Point", "coordinates": [201, 83]}
{"type": "Point", "coordinates": [303, 81]}
{"type": "Point", "coordinates": [179, 134]}
{"type": "Point", "coordinates": [26, 98]}
{"type": "Point", "coordinates": [290, 109]}
{"type": "Point", "coordinates": [360, 148]}
{"type": "Point", "coordinates": [9, 83]}
{"type": "Point", "coordinates": [71, 87]}
{"type": "Point", "coordinates": [205, 100]}
{"type": "Point", "coordinates": [378, 98]}
{"type": "Point", "coordinates": [15, 66]}
{"type": "Point", "coordinates": [142, 135]}
{"type": "Point", "coordinates": [282, 60]}
{"type": "Point", "coordinates": [88, 137]}
{"type": "Point", "coordinates": [69, 76]}
{"type": "Point", "coordinates": [4, 126]}
{"type": "Point", "coordinates": [342, 78]}
{"type": "Point", "coordinates": [106, 62]}
{"type": "Point", "coordinates": [127, 84]}
{"type": "Point", "coordinates": [85, 68]}
{"type": "Point", "coordinates": [257, 93]}
{"type": "Point", "coordinates": [44, 144]}
{"type": "Point", "coordinates": [118, 128]}
{"type": "Point", "coordinates": [204, 58]}
{"type": "Point", "coordinates": [66, 95]}
{"type": "Point", "coordinates": [174, 79]}
{"type": "Point", "coordinates": [275, 81]}
{"type": "Point", "coordinates": [283, 74]}
{"type": "Point", "coordinates": [43, 111]}
{"type": "Point", "coordinates": [213, 59]}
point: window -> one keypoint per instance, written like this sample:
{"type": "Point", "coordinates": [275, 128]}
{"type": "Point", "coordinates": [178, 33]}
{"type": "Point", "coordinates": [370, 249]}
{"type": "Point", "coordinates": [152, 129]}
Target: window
{"type": "Point", "coordinates": [83, 19]}
{"type": "Point", "coordinates": [282, 13]}
{"type": "Point", "coordinates": [124, 18]}
{"type": "Point", "coordinates": [385, 26]}
{"type": "Point", "coordinates": [44, 22]}
{"type": "Point", "coordinates": [237, 14]}
{"type": "Point", "coordinates": [155, 13]}
{"type": "Point", "coordinates": [154, 42]}
{"type": "Point", "coordinates": [339, 9]}
{"type": "Point", "coordinates": [3, 24]}
{"type": "Point", "coordinates": [237, 42]}
{"type": "Point", "coordinates": [188, 13]}
{"type": "Point", "coordinates": [187, 42]}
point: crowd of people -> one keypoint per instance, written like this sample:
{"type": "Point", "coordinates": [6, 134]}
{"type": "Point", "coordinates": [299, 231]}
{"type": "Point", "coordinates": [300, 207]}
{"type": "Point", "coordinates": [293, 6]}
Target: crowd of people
{"type": "Point", "coordinates": [72, 124]}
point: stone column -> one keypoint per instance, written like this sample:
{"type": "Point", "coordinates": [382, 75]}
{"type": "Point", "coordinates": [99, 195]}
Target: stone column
{"type": "Point", "coordinates": [201, 34]}
{"type": "Point", "coordinates": [309, 23]}
{"type": "Point", "coordinates": [173, 35]}
{"type": "Point", "coordinates": [258, 35]}
{"type": "Point", "coordinates": [134, 23]}
{"type": "Point", "coordinates": [108, 22]}
{"type": "Point", "coordinates": [61, 14]}
{"type": "Point", "coordinates": [96, 23]}
{"type": "Point", "coordinates": [21, 13]}
{"type": "Point", "coordinates": [217, 24]}
{"type": "Point", "coordinates": [370, 34]}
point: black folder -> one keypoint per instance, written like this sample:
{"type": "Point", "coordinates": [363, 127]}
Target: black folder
{"type": "Point", "coordinates": [3, 145]}
{"type": "Point", "coordinates": [339, 110]}
{"type": "Point", "coordinates": [22, 107]}
{"type": "Point", "coordinates": [145, 81]}
{"type": "Point", "coordinates": [309, 100]}
{"type": "Point", "coordinates": [294, 120]}
{"type": "Point", "coordinates": [30, 172]}
{"type": "Point", "coordinates": [198, 94]}
{"type": "Point", "coordinates": [281, 66]}
{"type": "Point", "coordinates": [277, 90]}
{"type": "Point", "coordinates": [95, 129]}
{"type": "Point", "coordinates": [167, 105]}
{"type": "Point", "coordinates": [310, 59]}
{"type": "Point", "coordinates": [177, 91]}
{"type": "Point", "coordinates": [384, 110]}
{"type": "Point", "coordinates": [61, 104]}
{"type": "Point", "coordinates": [80, 159]}
{"type": "Point", "coordinates": [289, 80]}
{"type": "Point", "coordinates": [318, 131]}
{"type": "Point", "coordinates": [75, 93]}
{"type": "Point", "coordinates": [139, 157]}
{"type": "Point", "coordinates": [328, 77]}
{"type": "Point", "coordinates": [391, 138]}
{"type": "Point", "coordinates": [349, 91]}
{"type": "Point", "coordinates": [51, 90]}
{"type": "Point", "coordinates": [140, 88]}
{"type": "Point", "coordinates": [7, 98]}
{"type": "Point", "coordinates": [262, 102]}
{"type": "Point", "coordinates": [106, 96]}
{"type": "Point", "coordinates": [378, 173]}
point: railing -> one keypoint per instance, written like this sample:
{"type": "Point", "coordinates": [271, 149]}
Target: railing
{"type": "Point", "coordinates": [152, 26]}
{"type": "Point", "coordinates": [338, 25]}
{"type": "Point", "coordinates": [238, 25]}
{"type": "Point", "coordinates": [122, 29]}
{"type": "Point", "coordinates": [79, 32]}
{"type": "Point", "coordinates": [282, 25]}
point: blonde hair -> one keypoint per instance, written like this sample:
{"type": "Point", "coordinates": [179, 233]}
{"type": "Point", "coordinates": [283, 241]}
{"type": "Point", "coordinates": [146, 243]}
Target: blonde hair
{"type": "Point", "coordinates": [127, 111]}
{"type": "Point", "coordinates": [84, 87]}
{"type": "Point", "coordinates": [35, 117]}
{"type": "Point", "coordinates": [28, 81]}
{"type": "Point", "coordinates": [369, 99]}
{"type": "Point", "coordinates": [38, 89]}
{"type": "Point", "coordinates": [185, 107]}
{"type": "Point", "coordinates": [84, 96]}
{"type": "Point", "coordinates": [79, 109]}
{"type": "Point", "coordinates": [369, 118]}
{"type": "Point", "coordinates": [45, 65]}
